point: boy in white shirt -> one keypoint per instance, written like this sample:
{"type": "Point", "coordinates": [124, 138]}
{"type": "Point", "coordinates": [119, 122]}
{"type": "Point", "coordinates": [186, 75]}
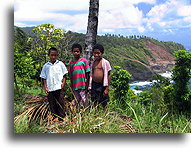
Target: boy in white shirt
{"type": "Point", "coordinates": [54, 77]}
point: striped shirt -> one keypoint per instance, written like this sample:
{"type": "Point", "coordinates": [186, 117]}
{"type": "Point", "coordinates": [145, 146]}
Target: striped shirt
{"type": "Point", "coordinates": [77, 73]}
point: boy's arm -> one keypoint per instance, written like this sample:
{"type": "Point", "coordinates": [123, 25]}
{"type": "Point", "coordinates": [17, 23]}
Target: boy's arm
{"type": "Point", "coordinates": [63, 82]}
{"type": "Point", "coordinates": [70, 75]}
{"type": "Point", "coordinates": [87, 69]}
{"type": "Point", "coordinates": [45, 85]}
{"type": "Point", "coordinates": [107, 87]}
{"type": "Point", "coordinates": [88, 79]}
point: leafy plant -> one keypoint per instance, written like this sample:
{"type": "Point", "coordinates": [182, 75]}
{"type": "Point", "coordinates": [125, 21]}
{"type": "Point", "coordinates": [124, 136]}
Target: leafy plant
{"type": "Point", "coordinates": [44, 37]}
{"type": "Point", "coordinates": [23, 62]}
{"type": "Point", "coordinates": [120, 83]}
{"type": "Point", "coordinates": [181, 77]}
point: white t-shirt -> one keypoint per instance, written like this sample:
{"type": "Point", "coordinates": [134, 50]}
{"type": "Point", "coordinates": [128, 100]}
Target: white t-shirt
{"type": "Point", "coordinates": [53, 73]}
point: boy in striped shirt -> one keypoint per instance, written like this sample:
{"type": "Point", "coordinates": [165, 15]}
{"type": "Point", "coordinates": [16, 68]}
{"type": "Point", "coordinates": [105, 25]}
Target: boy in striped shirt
{"type": "Point", "coordinates": [78, 71]}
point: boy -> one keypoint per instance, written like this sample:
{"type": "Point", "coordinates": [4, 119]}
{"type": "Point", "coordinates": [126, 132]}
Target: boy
{"type": "Point", "coordinates": [99, 77]}
{"type": "Point", "coordinates": [79, 75]}
{"type": "Point", "coordinates": [54, 77]}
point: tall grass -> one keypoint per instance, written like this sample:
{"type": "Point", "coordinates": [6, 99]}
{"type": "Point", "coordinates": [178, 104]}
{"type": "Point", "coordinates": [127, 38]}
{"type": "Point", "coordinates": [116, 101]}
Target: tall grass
{"type": "Point", "coordinates": [149, 120]}
{"type": "Point", "coordinates": [135, 118]}
{"type": "Point", "coordinates": [23, 126]}
{"type": "Point", "coordinates": [92, 120]}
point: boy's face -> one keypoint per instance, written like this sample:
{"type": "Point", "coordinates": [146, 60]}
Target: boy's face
{"type": "Point", "coordinates": [97, 54]}
{"type": "Point", "coordinates": [53, 55]}
{"type": "Point", "coordinates": [76, 52]}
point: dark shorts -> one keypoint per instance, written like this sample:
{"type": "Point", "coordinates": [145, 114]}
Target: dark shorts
{"type": "Point", "coordinates": [56, 102]}
{"type": "Point", "coordinates": [97, 93]}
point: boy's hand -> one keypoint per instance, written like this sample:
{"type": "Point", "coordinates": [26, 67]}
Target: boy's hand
{"type": "Point", "coordinates": [86, 89]}
{"type": "Point", "coordinates": [90, 93]}
{"type": "Point", "coordinates": [62, 86]}
{"type": "Point", "coordinates": [46, 89]}
{"type": "Point", "coordinates": [105, 92]}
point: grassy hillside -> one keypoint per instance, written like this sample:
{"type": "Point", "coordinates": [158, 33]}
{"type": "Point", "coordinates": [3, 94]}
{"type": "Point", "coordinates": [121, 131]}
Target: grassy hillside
{"type": "Point", "coordinates": [131, 53]}
{"type": "Point", "coordinates": [131, 47]}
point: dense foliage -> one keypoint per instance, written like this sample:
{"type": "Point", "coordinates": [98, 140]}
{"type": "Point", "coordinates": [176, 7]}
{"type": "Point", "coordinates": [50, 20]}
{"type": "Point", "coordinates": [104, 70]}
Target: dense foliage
{"type": "Point", "coordinates": [120, 83]}
{"type": "Point", "coordinates": [181, 77]}
{"type": "Point", "coordinates": [24, 68]}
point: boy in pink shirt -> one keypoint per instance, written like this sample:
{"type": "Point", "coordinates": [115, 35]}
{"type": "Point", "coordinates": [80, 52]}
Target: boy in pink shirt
{"type": "Point", "coordinates": [99, 77]}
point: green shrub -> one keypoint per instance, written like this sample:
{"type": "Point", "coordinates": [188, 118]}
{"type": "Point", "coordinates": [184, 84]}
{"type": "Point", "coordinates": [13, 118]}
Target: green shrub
{"type": "Point", "coordinates": [181, 77]}
{"type": "Point", "coordinates": [120, 83]}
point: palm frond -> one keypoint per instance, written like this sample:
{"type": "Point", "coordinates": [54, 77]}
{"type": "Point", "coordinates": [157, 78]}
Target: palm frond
{"type": "Point", "coordinates": [36, 108]}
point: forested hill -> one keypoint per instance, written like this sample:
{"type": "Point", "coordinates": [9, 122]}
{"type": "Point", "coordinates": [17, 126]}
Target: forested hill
{"type": "Point", "coordinates": [140, 55]}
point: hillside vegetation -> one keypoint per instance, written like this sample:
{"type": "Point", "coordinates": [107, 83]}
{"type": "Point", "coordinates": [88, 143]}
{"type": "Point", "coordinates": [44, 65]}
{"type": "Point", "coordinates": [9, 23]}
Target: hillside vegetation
{"type": "Point", "coordinates": [137, 54]}
{"type": "Point", "coordinates": [140, 55]}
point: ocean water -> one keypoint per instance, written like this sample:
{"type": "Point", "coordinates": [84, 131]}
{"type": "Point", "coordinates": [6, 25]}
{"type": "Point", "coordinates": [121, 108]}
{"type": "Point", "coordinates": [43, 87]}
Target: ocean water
{"type": "Point", "coordinates": [138, 87]}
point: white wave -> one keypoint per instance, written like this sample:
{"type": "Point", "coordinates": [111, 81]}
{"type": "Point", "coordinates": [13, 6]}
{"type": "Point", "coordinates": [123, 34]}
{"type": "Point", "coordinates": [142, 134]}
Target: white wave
{"type": "Point", "coordinates": [167, 74]}
{"type": "Point", "coordinates": [141, 83]}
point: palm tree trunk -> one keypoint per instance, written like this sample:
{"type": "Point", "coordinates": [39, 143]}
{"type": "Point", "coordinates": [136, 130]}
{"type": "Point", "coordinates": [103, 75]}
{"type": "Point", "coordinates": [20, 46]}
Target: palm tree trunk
{"type": "Point", "coordinates": [91, 34]}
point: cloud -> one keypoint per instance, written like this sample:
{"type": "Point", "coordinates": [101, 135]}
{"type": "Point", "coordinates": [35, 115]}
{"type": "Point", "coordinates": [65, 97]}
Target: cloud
{"type": "Point", "coordinates": [107, 30]}
{"type": "Point", "coordinates": [52, 5]}
{"type": "Point", "coordinates": [143, 1]}
{"type": "Point", "coordinates": [113, 14]}
{"type": "Point", "coordinates": [121, 18]}
{"type": "Point", "coordinates": [34, 11]}
{"type": "Point", "coordinates": [159, 12]}
{"type": "Point", "coordinates": [184, 11]}
{"type": "Point", "coordinates": [113, 4]}
{"type": "Point", "coordinates": [141, 29]}
{"type": "Point", "coordinates": [79, 22]}
{"type": "Point", "coordinates": [171, 14]}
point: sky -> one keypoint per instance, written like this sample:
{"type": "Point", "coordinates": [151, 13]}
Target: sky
{"type": "Point", "coordinates": [165, 20]}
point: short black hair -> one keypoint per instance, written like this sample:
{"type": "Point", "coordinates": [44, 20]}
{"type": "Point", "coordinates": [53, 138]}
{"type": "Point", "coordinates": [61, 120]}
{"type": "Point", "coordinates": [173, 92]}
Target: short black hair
{"type": "Point", "coordinates": [76, 45]}
{"type": "Point", "coordinates": [100, 47]}
{"type": "Point", "coordinates": [52, 49]}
